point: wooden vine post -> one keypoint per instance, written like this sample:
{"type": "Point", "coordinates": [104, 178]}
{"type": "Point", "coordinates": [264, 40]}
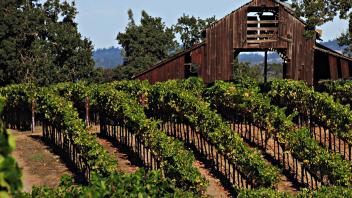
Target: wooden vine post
{"type": "Point", "coordinates": [87, 110]}
{"type": "Point", "coordinates": [33, 116]}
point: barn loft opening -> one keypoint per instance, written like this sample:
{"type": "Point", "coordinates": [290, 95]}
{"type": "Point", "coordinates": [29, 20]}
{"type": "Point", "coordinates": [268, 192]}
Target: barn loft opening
{"type": "Point", "coordinates": [262, 25]}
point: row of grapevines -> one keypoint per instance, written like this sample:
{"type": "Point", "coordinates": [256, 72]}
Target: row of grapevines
{"type": "Point", "coordinates": [139, 184]}
{"type": "Point", "coordinates": [134, 87]}
{"type": "Point", "coordinates": [18, 105]}
{"type": "Point", "coordinates": [249, 102]}
{"type": "Point", "coordinates": [323, 192]}
{"type": "Point", "coordinates": [340, 90]}
{"type": "Point", "coordinates": [229, 97]}
{"type": "Point", "coordinates": [77, 92]}
{"type": "Point", "coordinates": [177, 162]}
{"type": "Point", "coordinates": [61, 114]}
{"type": "Point", "coordinates": [10, 174]}
{"type": "Point", "coordinates": [18, 96]}
{"type": "Point", "coordinates": [104, 180]}
{"type": "Point", "coordinates": [145, 183]}
{"type": "Point", "coordinates": [298, 96]}
{"type": "Point", "coordinates": [169, 99]}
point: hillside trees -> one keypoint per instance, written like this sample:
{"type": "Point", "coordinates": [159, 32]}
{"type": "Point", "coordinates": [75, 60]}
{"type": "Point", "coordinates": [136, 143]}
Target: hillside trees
{"type": "Point", "coordinates": [103, 75]}
{"type": "Point", "coordinates": [144, 44]}
{"type": "Point", "coordinates": [320, 11]}
{"type": "Point", "coordinates": [246, 71]}
{"type": "Point", "coordinates": [151, 41]}
{"type": "Point", "coordinates": [40, 43]}
{"type": "Point", "coordinates": [73, 55]}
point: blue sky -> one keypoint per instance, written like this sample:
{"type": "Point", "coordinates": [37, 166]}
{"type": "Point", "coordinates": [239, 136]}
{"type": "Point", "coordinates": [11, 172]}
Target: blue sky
{"type": "Point", "coordinates": [100, 21]}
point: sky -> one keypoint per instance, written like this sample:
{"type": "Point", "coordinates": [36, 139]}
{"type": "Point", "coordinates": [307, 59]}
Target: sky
{"type": "Point", "coordinates": [100, 21]}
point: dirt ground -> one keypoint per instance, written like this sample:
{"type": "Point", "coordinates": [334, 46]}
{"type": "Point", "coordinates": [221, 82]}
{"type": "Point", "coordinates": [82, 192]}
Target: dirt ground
{"type": "Point", "coordinates": [215, 188]}
{"type": "Point", "coordinates": [39, 164]}
{"type": "Point", "coordinates": [125, 163]}
{"type": "Point", "coordinates": [284, 184]}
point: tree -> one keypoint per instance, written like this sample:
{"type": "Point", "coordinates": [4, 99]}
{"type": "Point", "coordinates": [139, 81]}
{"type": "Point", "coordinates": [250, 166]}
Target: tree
{"type": "Point", "coordinates": [144, 44]}
{"type": "Point", "coordinates": [17, 33]}
{"type": "Point", "coordinates": [319, 12]}
{"type": "Point", "coordinates": [190, 29]}
{"type": "Point", "coordinates": [239, 69]}
{"type": "Point", "coordinates": [73, 55]}
{"type": "Point", "coordinates": [346, 38]}
{"type": "Point", "coordinates": [103, 75]}
{"type": "Point", "coordinates": [40, 43]}
{"type": "Point", "coordinates": [244, 70]}
{"type": "Point", "coordinates": [275, 71]}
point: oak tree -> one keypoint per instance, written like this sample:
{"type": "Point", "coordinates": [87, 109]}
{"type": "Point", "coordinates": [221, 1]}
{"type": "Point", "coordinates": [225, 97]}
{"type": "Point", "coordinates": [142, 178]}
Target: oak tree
{"type": "Point", "coordinates": [144, 44]}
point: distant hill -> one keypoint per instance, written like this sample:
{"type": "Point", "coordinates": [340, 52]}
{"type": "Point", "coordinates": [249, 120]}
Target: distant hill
{"type": "Point", "coordinates": [111, 57]}
{"type": "Point", "coordinates": [332, 44]}
{"type": "Point", "coordinates": [108, 57]}
{"type": "Point", "coordinates": [255, 58]}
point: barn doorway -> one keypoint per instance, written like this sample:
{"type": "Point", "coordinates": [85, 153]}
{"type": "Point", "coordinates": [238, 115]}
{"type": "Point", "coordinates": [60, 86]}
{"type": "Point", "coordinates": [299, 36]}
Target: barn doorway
{"type": "Point", "coordinates": [262, 66]}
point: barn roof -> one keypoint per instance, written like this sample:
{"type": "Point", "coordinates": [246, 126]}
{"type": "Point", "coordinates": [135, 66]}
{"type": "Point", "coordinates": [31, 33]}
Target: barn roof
{"type": "Point", "coordinates": [171, 58]}
{"type": "Point", "coordinates": [327, 50]}
{"type": "Point", "coordinates": [286, 6]}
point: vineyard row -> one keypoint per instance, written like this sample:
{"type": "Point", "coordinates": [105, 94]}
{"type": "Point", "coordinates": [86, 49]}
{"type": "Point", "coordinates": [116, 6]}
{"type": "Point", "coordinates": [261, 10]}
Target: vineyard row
{"type": "Point", "coordinates": [214, 120]}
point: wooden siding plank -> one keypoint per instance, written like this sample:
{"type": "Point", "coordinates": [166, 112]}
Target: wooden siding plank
{"type": "Point", "coordinates": [345, 69]}
{"type": "Point", "coordinates": [333, 67]}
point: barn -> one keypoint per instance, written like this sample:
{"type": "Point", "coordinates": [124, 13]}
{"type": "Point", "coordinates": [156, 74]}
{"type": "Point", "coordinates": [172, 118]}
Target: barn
{"type": "Point", "coordinates": [260, 25]}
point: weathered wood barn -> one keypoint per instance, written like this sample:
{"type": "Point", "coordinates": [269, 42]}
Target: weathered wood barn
{"type": "Point", "coordinates": [260, 25]}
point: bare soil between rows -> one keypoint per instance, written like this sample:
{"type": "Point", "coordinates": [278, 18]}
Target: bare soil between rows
{"type": "Point", "coordinates": [128, 163]}
{"type": "Point", "coordinates": [40, 165]}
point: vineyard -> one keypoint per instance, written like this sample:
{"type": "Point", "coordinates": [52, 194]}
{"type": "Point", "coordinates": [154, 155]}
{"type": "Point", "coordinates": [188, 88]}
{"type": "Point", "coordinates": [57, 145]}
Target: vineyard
{"type": "Point", "coordinates": [256, 137]}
